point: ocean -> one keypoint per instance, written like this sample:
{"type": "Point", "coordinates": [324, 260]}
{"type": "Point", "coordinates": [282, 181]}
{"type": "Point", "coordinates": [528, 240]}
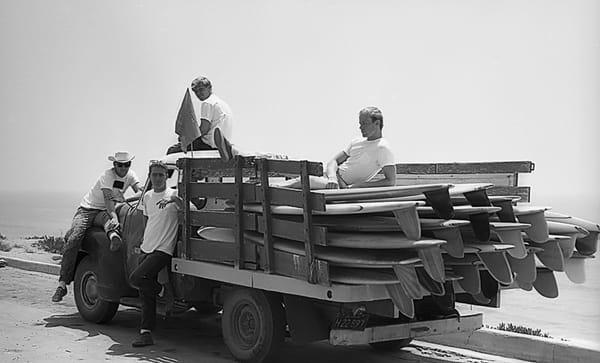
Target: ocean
{"type": "Point", "coordinates": [574, 315]}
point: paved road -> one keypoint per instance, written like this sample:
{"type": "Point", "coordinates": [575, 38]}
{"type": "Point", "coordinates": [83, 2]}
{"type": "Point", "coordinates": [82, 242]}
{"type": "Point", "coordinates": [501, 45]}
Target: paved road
{"type": "Point", "coordinates": [33, 329]}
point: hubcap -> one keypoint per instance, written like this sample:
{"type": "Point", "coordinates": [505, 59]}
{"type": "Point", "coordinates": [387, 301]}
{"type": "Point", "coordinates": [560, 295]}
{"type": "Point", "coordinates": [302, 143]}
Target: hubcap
{"type": "Point", "coordinates": [246, 325]}
{"type": "Point", "coordinates": [89, 289]}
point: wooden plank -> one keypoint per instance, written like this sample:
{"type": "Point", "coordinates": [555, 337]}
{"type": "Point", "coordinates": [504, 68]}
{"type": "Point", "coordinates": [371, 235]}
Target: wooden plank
{"type": "Point", "coordinates": [217, 218]}
{"type": "Point", "coordinates": [239, 213]}
{"type": "Point", "coordinates": [292, 265]}
{"type": "Point", "coordinates": [285, 228]}
{"type": "Point", "coordinates": [295, 166]}
{"type": "Point", "coordinates": [266, 220]}
{"type": "Point", "coordinates": [293, 197]}
{"type": "Point", "coordinates": [496, 179]}
{"type": "Point", "coordinates": [307, 224]}
{"type": "Point", "coordinates": [220, 252]}
{"type": "Point", "coordinates": [466, 168]}
{"type": "Point", "coordinates": [222, 190]}
{"type": "Point", "coordinates": [184, 193]}
{"type": "Point", "coordinates": [522, 191]}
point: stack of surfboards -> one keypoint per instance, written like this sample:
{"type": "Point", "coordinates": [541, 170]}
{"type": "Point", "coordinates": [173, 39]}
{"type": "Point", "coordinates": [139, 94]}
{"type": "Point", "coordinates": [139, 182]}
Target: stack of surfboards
{"type": "Point", "coordinates": [414, 239]}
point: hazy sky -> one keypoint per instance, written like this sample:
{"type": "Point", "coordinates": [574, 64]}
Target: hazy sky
{"type": "Point", "coordinates": [456, 81]}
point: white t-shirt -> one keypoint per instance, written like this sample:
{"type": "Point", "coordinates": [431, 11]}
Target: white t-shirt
{"type": "Point", "coordinates": [365, 159]}
{"type": "Point", "coordinates": [218, 113]}
{"type": "Point", "coordinates": [109, 180]}
{"type": "Point", "coordinates": [161, 228]}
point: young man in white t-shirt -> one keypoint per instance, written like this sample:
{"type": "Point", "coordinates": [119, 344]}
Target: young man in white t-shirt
{"type": "Point", "coordinates": [97, 208]}
{"type": "Point", "coordinates": [357, 164]}
{"type": "Point", "coordinates": [212, 112]}
{"type": "Point", "coordinates": [160, 206]}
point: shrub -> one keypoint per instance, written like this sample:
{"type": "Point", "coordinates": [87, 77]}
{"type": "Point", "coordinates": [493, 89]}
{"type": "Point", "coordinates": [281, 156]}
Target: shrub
{"type": "Point", "coordinates": [50, 244]}
{"type": "Point", "coordinates": [521, 330]}
{"type": "Point", "coordinates": [5, 246]}
{"type": "Point", "coordinates": [2, 237]}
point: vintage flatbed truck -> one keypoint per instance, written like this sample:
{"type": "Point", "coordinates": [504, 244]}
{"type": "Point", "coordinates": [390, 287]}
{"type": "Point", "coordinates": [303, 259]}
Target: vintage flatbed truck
{"type": "Point", "coordinates": [265, 294]}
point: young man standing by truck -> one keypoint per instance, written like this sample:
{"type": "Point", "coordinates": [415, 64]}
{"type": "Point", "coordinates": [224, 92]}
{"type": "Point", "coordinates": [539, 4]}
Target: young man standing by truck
{"type": "Point", "coordinates": [160, 207]}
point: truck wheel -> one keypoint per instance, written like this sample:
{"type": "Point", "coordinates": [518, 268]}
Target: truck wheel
{"type": "Point", "coordinates": [391, 345]}
{"type": "Point", "coordinates": [90, 306]}
{"type": "Point", "coordinates": [253, 325]}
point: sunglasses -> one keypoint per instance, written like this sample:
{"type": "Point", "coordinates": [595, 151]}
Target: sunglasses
{"type": "Point", "coordinates": [123, 165]}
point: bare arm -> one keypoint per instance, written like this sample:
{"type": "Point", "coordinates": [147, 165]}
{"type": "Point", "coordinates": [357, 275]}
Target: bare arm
{"type": "Point", "coordinates": [204, 126]}
{"type": "Point", "coordinates": [389, 172]}
{"type": "Point", "coordinates": [110, 207]}
{"type": "Point", "coordinates": [332, 167]}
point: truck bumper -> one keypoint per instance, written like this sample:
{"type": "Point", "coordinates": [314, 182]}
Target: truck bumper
{"type": "Point", "coordinates": [382, 333]}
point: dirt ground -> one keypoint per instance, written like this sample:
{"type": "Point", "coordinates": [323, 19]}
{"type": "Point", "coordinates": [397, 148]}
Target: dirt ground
{"type": "Point", "coordinates": [33, 329]}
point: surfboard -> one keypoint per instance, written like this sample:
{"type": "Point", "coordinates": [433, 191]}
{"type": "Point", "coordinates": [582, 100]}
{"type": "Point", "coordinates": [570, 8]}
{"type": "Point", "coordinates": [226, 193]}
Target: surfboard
{"type": "Point", "coordinates": [567, 229]}
{"type": "Point", "coordinates": [510, 233]}
{"type": "Point", "coordinates": [337, 209]}
{"type": "Point", "coordinates": [478, 216]}
{"type": "Point", "coordinates": [379, 240]}
{"type": "Point", "coordinates": [587, 245]}
{"type": "Point", "coordinates": [435, 194]}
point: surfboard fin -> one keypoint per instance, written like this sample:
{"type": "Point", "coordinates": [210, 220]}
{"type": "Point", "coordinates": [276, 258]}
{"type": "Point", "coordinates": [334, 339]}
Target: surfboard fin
{"type": "Point", "coordinates": [497, 265]}
{"type": "Point", "coordinates": [402, 301]}
{"type": "Point", "coordinates": [524, 268]}
{"type": "Point", "coordinates": [433, 262]}
{"type": "Point", "coordinates": [441, 203]}
{"type": "Point", "coordinates": [454, 242]}
{"type": "Point", "coordinates": [408, 220]}
{"type": "Point", "coordinates": [545, 284]}
{"type": "Point", "coordinates": [409, 280]}
{"type": "Point", "coordinates": [575, 270]}
{"type": "Point", "coordinates": [434, 287]}
{"type": "Point", "coordinates": [470, 282]}
{"type": "Point", "coordinates": [538, 232]}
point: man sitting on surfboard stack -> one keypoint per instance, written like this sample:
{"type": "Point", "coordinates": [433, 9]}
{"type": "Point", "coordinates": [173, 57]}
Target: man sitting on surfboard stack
{"type": "Point", "coordinates": [353, 167]}
{"type": "Point", "coordinates": [97, 208]}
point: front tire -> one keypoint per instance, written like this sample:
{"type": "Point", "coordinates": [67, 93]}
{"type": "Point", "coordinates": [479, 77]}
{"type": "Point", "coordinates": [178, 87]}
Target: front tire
{"type": "Point", "coordinates": [90, 306]}
{"type": "Point", "coordinates": [253, 325]}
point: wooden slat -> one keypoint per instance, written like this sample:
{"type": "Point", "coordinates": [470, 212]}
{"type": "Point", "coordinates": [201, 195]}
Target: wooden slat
{"type": "Point", "coordinates": [293, 197]}
{"type": "Point", "coordinates": [295, 167]}
{"type": "Point", "coordinates": [496, 179]}
{"type": "Point", "coordinates": [239, 213]}
{"type": "Point", "coordinates": [266, 220]}
{"type": "Point", "coordinates": [217, 218]}
{"type": "Point", "coordinates": [221, 252]}
{"type": "Point", "coordinates": [221, 190]}
{"type": "Point", "coordinates": [307, 224]}
{"type": "Point", "coordinates": [292, 265]}
{"type": "Point", "coordinates": [294, 230]}
{"type": "Point", "coordinates": [466, 168]}
{"type": "Point", "coordinates": [184, 193]}
{"type": "Point", "coordinates": [523, 192]}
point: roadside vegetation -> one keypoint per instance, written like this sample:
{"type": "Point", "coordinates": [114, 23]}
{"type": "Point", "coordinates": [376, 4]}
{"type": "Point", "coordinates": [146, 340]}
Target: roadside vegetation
{"type": "Point", "coordinates": [520, 329]}
{"type": "Point", "coordinates": [50, 243]}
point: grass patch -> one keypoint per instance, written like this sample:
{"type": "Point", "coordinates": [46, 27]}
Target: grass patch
{"type": "Point", "coordinates": [521, 330]}
{"type": "Point", "coordinates": [50, 244]}
{"type": "Point", "coordinates": [5, 246]}
{"type": "Point", "coordinates": [35, 237]}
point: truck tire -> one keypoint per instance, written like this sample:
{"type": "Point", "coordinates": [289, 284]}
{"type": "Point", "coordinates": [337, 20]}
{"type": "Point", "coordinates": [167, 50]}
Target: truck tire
{"type": "Point", "coordinates": [253, 325]}
{"type": "Point", "coordinates": [90, 306]}
{"type": "Point", "coordinates": [391, 345]}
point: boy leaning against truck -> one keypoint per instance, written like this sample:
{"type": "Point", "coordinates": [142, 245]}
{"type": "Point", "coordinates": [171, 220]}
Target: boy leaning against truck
{"type": "Point", "coordinates": [160, 206]}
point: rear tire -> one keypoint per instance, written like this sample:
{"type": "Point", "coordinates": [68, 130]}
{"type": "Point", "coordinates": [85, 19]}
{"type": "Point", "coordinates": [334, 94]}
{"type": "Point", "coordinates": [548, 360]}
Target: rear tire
{"type": "Point", "coordinates": [90, 306]}
{"type": "Point", "coordinates": [391, 345]}
{"type": "Point", "coordinates": [253, 325]}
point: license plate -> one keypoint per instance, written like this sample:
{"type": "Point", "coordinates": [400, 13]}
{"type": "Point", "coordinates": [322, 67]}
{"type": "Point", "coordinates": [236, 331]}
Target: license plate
{"type": "Point", "coordinates": [351, 322]}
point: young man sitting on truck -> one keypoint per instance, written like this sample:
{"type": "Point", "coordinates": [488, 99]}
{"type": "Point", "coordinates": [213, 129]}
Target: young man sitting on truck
{"type": "Point", "coordinates": [97, 208]}
{"type": "Point", "coordinates": [353, 167]}
{"type": "Point", "coordinates": [160, 207]}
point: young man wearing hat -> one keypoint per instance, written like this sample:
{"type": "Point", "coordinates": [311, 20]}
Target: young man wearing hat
{"type": "Point", "coordinates": [160, 206]}
{"type": "Point", "coordinates": [212, 112]}
{"type": "Point", "coordinates": [97, 208]}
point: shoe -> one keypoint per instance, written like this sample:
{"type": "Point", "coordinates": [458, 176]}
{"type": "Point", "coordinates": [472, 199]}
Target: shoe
{"type": "Point", "coordinates": [223, 146]}
{"type": "Point", "coordinates": [115, 242]}
{"type": "Point", "coordinates": [144, 339]}
{"type": "Point", "coordinates": [59, 294]}
{"type": "Point", "coordinates": [199, 202]}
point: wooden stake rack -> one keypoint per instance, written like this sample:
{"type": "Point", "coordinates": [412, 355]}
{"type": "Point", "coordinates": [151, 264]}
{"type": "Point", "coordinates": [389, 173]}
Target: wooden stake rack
{"type": "Point", "coordinates": [243, 254]}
